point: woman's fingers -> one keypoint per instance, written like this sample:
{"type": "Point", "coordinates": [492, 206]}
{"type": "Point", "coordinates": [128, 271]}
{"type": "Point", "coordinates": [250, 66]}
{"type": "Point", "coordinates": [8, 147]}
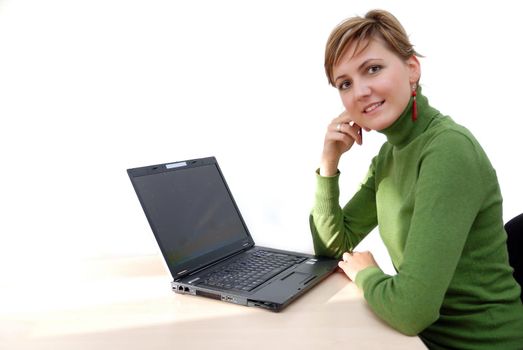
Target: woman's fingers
{"type": "Point", "coordinates": [342, 137]}
{"type": "Point", "coordinates": [351, 129]}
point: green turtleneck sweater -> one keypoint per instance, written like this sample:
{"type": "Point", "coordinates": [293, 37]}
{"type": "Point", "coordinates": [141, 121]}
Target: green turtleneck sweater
{"type": "Point", "coordinates": [435, 197]}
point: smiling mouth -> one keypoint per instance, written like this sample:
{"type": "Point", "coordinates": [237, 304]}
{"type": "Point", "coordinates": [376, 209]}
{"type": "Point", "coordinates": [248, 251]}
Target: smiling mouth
{"type": "Point", "coordinates": [373, 106]}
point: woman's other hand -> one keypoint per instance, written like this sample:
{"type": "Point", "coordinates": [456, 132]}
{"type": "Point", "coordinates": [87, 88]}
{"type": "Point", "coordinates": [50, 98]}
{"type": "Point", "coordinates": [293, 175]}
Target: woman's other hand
{"type": "Point", "coordinates": [353, 263]}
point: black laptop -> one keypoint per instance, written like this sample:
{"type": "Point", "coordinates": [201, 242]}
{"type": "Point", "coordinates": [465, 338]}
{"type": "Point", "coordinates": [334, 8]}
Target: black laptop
{"type": "Point", "coordinates": [206, 244]}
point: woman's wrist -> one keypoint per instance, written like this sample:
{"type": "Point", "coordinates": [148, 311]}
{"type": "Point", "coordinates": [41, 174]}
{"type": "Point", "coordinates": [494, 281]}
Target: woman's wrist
{"type": "Point", "coordinates": [328, 168]}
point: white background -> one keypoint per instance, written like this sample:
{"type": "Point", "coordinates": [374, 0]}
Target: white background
{"type": "Point", "coordinates": [91, 88]}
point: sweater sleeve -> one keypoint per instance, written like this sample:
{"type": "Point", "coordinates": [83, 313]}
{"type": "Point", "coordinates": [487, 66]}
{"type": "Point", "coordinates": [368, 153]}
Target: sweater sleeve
{"type": "Point", "coordinates": [336, 230]}
{"type": "Point", "coordinates": [448, 196]}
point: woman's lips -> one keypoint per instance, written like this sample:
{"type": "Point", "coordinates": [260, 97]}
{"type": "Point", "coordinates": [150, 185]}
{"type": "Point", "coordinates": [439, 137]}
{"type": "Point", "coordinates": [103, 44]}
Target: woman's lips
{"type": "Point", "coordinates": [373, 106]}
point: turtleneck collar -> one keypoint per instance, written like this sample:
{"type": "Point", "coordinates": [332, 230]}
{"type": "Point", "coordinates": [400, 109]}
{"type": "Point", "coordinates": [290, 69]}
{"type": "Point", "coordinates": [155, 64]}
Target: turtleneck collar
{"type": "Point", "coordinates": [404, 129]}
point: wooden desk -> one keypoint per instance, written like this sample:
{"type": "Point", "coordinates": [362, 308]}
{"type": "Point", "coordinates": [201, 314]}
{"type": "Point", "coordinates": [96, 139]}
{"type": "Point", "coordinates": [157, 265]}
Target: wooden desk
{"type": "Point", "coordinates": [127, 304]}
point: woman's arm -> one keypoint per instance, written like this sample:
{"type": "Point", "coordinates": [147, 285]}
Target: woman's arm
{"type": "Point", "coordinates": [448, 196]}
{"type": "Point", "coordinates": [336, 230]}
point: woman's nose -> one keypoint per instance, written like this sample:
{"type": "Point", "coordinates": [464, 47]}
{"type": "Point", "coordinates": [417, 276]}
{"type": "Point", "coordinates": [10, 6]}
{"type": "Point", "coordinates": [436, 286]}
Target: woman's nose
{"type": "Point", "coordinates": [362, 90]}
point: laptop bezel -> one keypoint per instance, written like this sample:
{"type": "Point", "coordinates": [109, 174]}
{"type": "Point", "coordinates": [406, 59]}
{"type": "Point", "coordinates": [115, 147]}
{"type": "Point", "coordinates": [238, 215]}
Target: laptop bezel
{"type": "Point", "coordinates": [197, 263]}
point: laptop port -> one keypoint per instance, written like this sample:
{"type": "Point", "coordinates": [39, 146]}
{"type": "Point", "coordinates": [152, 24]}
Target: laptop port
{"type": "Point", "coordinates": [207, 294]}
{"type": "Point", "coordinates": [186, 289]}
{"type": "Point", "coordinates": [228, 298]}
{"type": "Point", "coordinates": [263, 304]}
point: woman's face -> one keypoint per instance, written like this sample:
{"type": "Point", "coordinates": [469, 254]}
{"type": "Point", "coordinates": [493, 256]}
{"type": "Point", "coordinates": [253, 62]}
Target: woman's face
{"type": "Point", "coordinates": [375, 85]}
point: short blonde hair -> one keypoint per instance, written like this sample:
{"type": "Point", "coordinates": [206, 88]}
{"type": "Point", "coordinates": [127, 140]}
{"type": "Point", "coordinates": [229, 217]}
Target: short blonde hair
{"type": "Point", "coordinates": [360, 30]}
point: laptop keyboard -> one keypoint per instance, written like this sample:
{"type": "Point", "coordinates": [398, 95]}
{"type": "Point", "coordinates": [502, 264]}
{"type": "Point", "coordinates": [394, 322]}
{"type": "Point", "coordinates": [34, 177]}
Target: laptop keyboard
{"type": "Point", "coordinates": [250, 270]}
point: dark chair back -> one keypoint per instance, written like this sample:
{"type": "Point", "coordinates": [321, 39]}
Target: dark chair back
{"type": "Point", "coordinates": [514, 230]}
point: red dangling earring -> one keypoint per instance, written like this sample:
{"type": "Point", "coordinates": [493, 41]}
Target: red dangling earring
{"type": "Point", "coordinates": [414, 106]}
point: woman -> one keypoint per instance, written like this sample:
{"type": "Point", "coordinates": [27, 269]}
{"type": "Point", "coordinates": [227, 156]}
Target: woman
{"type": "Point", "coordinates": [431, 190]}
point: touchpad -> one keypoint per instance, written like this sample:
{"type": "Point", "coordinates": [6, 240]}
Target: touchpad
{"type": "Point", "coordinates": [295, 277]}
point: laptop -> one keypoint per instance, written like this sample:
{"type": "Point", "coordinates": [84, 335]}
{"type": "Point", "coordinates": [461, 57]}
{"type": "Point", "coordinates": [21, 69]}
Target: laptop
{"type": "Point", "coordinates": [206, 244]}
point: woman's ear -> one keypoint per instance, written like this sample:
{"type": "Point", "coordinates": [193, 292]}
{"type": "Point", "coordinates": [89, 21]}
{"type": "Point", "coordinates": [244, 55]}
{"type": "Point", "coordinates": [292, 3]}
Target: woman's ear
{"type": "Point", "coordinates": [414, 69]}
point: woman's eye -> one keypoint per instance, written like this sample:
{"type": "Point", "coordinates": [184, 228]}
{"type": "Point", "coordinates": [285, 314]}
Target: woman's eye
{"type": "Point", "coordinates": [374, 69]}
{"type": "Point", "coordinates": [344, 85]}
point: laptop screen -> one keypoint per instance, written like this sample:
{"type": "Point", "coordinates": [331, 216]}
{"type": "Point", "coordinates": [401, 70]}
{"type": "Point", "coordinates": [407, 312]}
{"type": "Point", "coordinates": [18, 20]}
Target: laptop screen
{"type": "Point", "coordinates": [190, 211]}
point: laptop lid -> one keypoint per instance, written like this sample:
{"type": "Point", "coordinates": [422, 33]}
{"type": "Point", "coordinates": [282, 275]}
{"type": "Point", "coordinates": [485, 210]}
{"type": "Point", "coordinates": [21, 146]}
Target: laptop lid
{"type": "Point", "coordinates": [191, 212]}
